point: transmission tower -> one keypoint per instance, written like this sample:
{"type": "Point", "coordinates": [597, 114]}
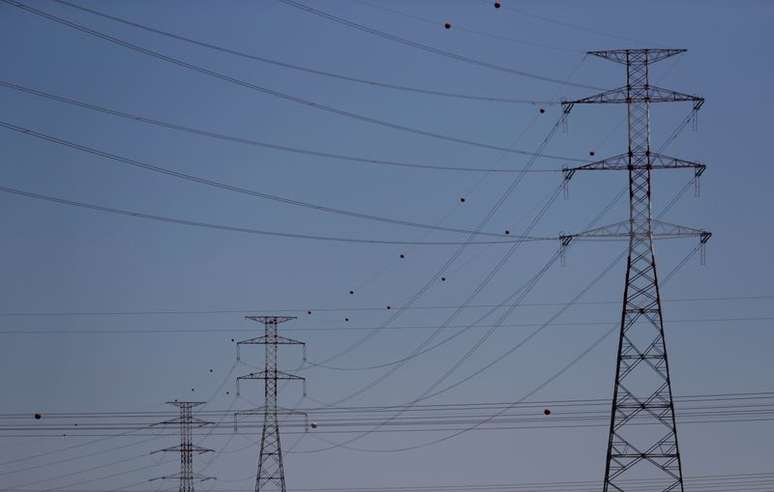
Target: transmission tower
{"type": "Point", "coordinates": [271, 471]}
{"type": "Point", "coordinates": [643, 431]}
{"type": "Point", "coordinates": [185, 421]}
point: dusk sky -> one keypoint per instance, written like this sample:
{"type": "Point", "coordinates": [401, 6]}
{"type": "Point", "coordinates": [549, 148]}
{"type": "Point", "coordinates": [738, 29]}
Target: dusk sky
{"type": "Point", "coordinates": [107, 312]}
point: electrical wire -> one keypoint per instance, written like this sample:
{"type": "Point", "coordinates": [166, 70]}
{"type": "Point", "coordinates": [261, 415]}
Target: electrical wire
{"type": "Point", "coordinates": [561, 371]}
{"type": "Point", "coordinates": [691, 400]}
{"type": "Point", "coordinates": [571, 25]}
{"type": "Point", "coordinates": [461, 28]}
{"type": "Point", "coordinates": [427, 394]}
{"type": "Point", "coordinates": [258, 143]}
{"type": "Point", "coordinates": [373, 308]}
{"type": "Point", "coordinates": [425, 347]}
{"type": "Point", "coordinates": [671, 321]}
{"type": "Point", "coordinates": [271, 92]}
{"type": "Point", "coordinates": [72, 458]}
{"type": "Point", "coordinates": [430, 49]}
{"type": "Point", "coordinates": [280, 63]}
{"type": "Point", "coordinates": [245, 230]}
{"type": "Point", "coordinates": [727, 481]}
{"type": "Point", "coordinates": [90, 469]}
{"type": "Point", "coordinates": [246, 191]}
{"type": "Point", "coordinates": [434, 418]}
{"type": "Point", "coordinates": [468, 354]}
{"type": "Point", "coordinates": [521, 292]}
{"type": "Point", "coordinates": [446, 265]}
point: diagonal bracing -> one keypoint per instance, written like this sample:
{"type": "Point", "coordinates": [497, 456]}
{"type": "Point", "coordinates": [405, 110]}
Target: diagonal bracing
{"type": "Point", "coordinates": [643, 388]}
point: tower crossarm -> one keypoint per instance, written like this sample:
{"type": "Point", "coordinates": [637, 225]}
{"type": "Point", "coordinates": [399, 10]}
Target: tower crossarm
{"type": "Point", "coordinates": [263, 340]}
{"type": "Point", "coordinates": [273, 338]}
{"type": "Point", "coordinates": [270, 319]}
{"type": "Point", "coordinates": [646, 55]}
{"type": "Point", "coordinates": [634, 94]}
{"type": "Point", "coordinates": [263, 411]}
{"type": "Point", "coordinates": [272, 376]}
{"type": "Point", "coordinates": [280, 375]}
{"type": "Point", "coordinates": [193, 448]}
{"type": "Point", "coordinates": [192, 421]}
{"type": "Point", "coordinates": [623, 230]}
{"type": "Point", "coordinates": [623, 162]}
{"type": "Point", "coordinates": [196, 476]}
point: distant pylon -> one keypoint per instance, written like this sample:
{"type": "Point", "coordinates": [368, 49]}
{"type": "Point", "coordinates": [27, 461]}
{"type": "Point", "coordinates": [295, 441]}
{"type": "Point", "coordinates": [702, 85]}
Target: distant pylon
{"type": "Point", "coordinates": [187, 449]}
{"type": "Point", "coordinates": [643, 430]}
{"type": "Point", "coordinates": [271, 470]}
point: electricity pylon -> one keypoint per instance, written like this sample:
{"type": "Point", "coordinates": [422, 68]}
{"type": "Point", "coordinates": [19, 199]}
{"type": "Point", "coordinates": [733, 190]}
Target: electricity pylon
{"type": "Point", "coordinates": [643, 430]}
{"type": "Point", "coordinates": [271, 470]}
{"type": "Point", "coordinates": [187, 449]}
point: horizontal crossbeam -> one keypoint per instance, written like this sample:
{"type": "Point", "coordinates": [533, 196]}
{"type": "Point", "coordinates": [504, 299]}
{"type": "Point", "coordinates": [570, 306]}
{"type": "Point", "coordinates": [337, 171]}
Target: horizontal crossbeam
{"type": "Point", "coordinates": [623, 162]}
{"type": "Point", "coordinates": [646, 55]}
{"type": "Point", "coordinates": [629, 95]}
{"type": "Point", "coordinates": [619, 230]}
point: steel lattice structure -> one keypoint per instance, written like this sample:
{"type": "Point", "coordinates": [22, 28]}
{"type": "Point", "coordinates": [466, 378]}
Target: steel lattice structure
{"type": "Point", "coordinates": [642, 386]}
{"type": "Point", "coordinates": [271, 470]}
{"type": "Point", "coordinates": [187, 449]}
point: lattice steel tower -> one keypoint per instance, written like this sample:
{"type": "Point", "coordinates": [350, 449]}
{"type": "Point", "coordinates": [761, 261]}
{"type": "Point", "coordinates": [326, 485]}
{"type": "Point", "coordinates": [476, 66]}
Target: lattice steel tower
{"type": "Point", "coordinates": [271, 471]}
{"type": "Point", "coordinates": [187, 449]}
{"type": "Point", "coordinates": [643, 431]}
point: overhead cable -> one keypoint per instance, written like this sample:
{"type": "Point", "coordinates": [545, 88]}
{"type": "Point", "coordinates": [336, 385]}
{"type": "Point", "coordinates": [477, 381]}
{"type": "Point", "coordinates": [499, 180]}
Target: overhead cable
{"type": "Point", "coordinates": [271, 92]}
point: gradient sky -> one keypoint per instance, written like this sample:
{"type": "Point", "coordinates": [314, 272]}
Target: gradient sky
{"type": "Point", "coordinates": [59, 259]}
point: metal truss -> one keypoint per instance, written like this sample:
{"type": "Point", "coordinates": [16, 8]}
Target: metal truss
{"type": "Point", "coordinates": [186, 421]}
{"type": "Point", "coordinates": [271, 470]}
{"type": "Point", "coordinates": [642, 385]}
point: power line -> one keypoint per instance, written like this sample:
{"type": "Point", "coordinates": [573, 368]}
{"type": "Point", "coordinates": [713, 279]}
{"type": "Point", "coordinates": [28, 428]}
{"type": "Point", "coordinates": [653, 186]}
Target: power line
{"type": "Point", "coordinates": [678, 321]}
{"type": "Point", "coordinates": [221, 227]}
{"type": "Point", "coordinates": [423, 347]}
{"type": "Point", "coordinates": [553, 20]}
{"type": "Point", "coordinates": [280, 63]}
{"type": "Point", "coordinates": [440, 272]}
{"type": "Point", "coordinates": [729, 481]}
{"type": "Point", "coordinates": [246, 191]}
{"type": "Point", "coordinates": [458, 27]}
{"type": "Point", "coordinates": [420, 349]}
{"type": "Point", "coordinates": [459, 426]}
{"type": "Point", "coordinates": [259, 143]}
{"type": "Point", "coordinates": [154, 415]}
{"type": "Point", "coordinates": [364, 308]}
{"type": "Point", "coordinates": [457, 432]}
{"type": "Point", "coordinates": [271, 92]}
{"type": "Point", "coordinates": [424, 47]}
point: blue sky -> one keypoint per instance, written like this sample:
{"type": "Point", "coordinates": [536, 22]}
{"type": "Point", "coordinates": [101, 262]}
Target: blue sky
{"type": "Point", "coordinates": [60, 259]}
